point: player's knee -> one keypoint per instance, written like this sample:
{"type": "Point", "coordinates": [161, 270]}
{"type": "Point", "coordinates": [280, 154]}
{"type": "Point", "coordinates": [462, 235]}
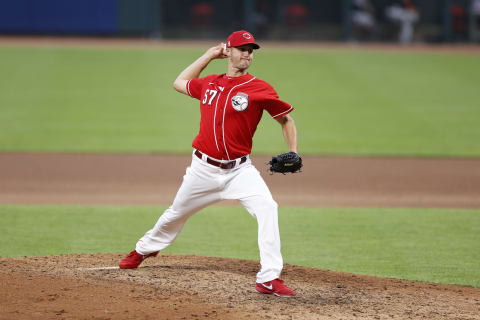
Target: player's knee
{"type": "Point", "coordinates": [273, 204]}
{"type": "Point", "coordinates": [269, 206]}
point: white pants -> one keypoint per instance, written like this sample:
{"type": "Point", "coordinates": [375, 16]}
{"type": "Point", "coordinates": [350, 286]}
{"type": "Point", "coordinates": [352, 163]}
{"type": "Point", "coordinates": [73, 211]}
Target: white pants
{"type": "Point", "coordinates": [205, 184]}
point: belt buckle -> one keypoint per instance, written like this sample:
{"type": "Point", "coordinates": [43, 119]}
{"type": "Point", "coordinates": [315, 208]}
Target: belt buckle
{"type": "Point", "coordinates": [229, 165]}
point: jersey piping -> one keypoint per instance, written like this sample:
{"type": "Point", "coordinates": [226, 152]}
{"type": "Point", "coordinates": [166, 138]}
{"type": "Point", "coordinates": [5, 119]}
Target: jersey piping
{"type": "Point", "coordinates": [224, 108]}
{"type": "Point", "coordinates": [215, 120]}
{"type": "Point", "coordinates": [188, 88]}
{"type": "Point", "coordinates": [282, 113]}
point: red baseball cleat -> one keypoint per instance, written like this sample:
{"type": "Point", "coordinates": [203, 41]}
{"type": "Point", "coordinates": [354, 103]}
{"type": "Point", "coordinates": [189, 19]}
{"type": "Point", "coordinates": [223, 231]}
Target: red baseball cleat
{"type": "Point", "coordinates": [275, 287]}
{"type": "Point", "coordinates": [133, 260]}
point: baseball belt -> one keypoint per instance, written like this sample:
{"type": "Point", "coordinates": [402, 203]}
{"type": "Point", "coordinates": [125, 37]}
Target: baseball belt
{"type": "Point", "coordinates": [222, 165]}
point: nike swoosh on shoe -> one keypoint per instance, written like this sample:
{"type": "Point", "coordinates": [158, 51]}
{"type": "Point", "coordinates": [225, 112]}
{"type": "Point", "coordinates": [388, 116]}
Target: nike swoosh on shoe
{"type": "Point", "coordinates": [270, 287]}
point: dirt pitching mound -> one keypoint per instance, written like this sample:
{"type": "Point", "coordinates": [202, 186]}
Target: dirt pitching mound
{"type": "Point", "coordinates": [191, 287]}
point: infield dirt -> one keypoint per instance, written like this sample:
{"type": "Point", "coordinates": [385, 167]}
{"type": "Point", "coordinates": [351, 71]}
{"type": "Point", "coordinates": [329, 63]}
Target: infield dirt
{"type": "Point", "coordinates": [192, 287]}
{"type": "Point", "coordinates": [34, 178]}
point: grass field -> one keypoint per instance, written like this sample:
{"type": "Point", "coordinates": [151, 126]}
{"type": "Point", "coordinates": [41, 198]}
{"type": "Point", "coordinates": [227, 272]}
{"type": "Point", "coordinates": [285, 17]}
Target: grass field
{"type": "Point", "coordinates": [347, 102]}
{"type": "Point", "coordinates": [428, 245]}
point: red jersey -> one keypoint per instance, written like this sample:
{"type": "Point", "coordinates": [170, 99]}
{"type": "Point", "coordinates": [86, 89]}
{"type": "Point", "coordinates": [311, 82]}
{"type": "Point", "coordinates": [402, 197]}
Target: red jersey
{"type": "Point", "coordinates": [231, 108]}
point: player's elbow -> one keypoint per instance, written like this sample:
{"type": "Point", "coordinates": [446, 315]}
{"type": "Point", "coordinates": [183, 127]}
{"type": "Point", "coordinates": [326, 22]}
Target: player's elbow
{"type": "Point", "coordinates": [176, 85]}
{"type": "Point", "coordinates": [180, 86]}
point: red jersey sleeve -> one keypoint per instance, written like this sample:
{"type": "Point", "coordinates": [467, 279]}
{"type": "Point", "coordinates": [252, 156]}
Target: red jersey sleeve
{"type": "Point", "coordinates": [275, 107]}
{"type": "Point", "coordinates": [194, 86]}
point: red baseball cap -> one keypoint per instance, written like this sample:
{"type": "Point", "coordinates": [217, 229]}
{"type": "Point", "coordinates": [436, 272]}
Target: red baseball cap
{"type": "Point", "coordinates": [241, 37]}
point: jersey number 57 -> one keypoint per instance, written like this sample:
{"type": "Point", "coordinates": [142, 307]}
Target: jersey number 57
{"type": "Point", "coordinates": [210, 94]}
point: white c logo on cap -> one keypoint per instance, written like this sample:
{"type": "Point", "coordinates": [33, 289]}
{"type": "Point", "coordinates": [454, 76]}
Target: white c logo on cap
{"type": "Point", "coordinates": [247, 35]}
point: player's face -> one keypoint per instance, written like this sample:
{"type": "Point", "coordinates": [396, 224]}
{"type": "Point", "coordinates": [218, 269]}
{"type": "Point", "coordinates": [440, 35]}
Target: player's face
{"type": "Point", "coordinates": [241, 57]}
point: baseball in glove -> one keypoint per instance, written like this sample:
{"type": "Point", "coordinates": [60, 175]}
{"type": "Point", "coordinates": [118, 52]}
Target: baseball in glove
{"type": "Point", "coordinates": [286, 162]}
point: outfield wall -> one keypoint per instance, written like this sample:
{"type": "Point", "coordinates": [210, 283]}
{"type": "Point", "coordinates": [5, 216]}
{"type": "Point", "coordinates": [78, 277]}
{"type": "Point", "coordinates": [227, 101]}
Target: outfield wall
{"type": "Point", "coordinates": [440, 20]}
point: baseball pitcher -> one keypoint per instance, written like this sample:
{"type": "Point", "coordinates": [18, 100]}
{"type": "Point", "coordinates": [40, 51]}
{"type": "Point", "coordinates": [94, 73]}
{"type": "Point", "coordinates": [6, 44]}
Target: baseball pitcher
{"type": "Point", "coordinates": [231, 107]}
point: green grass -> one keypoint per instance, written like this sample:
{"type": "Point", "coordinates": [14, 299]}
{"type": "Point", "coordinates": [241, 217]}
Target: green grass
{"type": "Point", "coordinates": [347, 102]}
{"type": "Point", "coordinates": [432, 245]}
